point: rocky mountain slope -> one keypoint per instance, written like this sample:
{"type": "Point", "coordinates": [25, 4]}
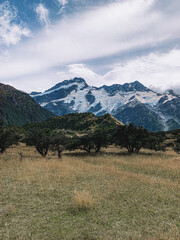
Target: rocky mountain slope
{"type": "Point", "coordinates": [19, 108]}
{"type": "Point", "coordinates": [131, 102]}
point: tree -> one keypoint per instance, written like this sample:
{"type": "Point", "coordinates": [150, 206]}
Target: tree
{"type": "Point", "coordinates": [80, 142]}
{"type": "Point", "coordinates": [58, 143]}
{"type": "Point", "coordinates": [41, 139]}
{"type": "Point", "coordinates": [86, 143]}
{"type": "Point", "coordinates": [131, 137]}
{"type": "Point", "coordinates": [155, 142]}
{"type": "Point", "coordinates": [134, 138]}
{"type": "Point", "coordinates": [100, 138]}
{"type": "Point", "coordinates": [7, 137]}
{"type": "Point", "coordinates": [177, 145]}
{"type": "Point", "coordinates": [91, 141]}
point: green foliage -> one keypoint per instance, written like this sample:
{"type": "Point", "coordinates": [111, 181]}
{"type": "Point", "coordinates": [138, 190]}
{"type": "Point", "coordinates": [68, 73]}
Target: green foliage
{"type": "Point", "coordinates": [95, 131]}
{"type": "Point", "coordinates": [90, 141]}
{"type": "Point", "coordinates": [134, 138]}
{"type": "Point", "coordinates": [156, 142]}
{"type": "Point", "coordinates": [8, 137]}
{"type": "Point", "coordinates": [177, 145]}
{"type": "Point", "coordinates": [101, 132]}
{"type": "Point", "coordinates": [86, 143]}
{"type": "Point", "coordinates": [41, 139]}
{"type": "Point", "coordinates": [101, 138]}
{"type": "Point", "coordinates": [73, 143]}
{"type": "Point", "coordinates": [77, 122]}
{"type": "Point", "coordinates": [59, 142]}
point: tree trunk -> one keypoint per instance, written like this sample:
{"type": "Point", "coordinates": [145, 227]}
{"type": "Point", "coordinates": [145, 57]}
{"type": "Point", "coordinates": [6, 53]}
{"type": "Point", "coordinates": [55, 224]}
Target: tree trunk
{"type": "Point", "coordinates": [59, 153]}
{"type": "Point", "coordinates": [97, 149]}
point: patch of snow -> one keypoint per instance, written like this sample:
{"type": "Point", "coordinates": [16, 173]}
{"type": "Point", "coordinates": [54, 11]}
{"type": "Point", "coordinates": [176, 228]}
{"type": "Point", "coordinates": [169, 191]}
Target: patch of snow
{"type": "Point", "coordinates": [79, 86]}
{"type": "Point", "coordinates": [170, 97]}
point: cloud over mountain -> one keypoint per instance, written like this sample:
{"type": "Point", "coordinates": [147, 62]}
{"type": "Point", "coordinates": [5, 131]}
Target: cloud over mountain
{"type": "Point", "coordinates": [109, 31]}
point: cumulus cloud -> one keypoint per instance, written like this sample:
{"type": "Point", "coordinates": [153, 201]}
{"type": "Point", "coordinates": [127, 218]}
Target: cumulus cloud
{"type": "Point", "coordinates": [83, 71]}
{"type": "Point", "coordinates": [10, 32]}
{"type": "Point", "coordinates": [159, 72]}
{"type": "Point", "coordinates": [43, 14]}
{"type": "Point", "coordinates": [116, 28]}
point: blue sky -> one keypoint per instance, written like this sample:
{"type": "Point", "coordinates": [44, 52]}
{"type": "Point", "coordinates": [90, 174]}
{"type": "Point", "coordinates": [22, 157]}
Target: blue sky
{"type": "Point", "coordinates": [43, 42]}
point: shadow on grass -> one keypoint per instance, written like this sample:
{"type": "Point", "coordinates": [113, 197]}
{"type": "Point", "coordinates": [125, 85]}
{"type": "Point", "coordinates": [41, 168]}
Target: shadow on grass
{"type": "Point", "coordinates": [111, 153]}
{"type": "Point", "coordinates": [85, 237]}
{"type": "Point", "coordinates": [78, 211]}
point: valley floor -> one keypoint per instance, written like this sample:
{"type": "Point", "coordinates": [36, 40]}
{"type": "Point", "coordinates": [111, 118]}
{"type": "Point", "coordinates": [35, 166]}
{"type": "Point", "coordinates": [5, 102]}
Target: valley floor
{"type": "Point", "coordinates": [108, 196]}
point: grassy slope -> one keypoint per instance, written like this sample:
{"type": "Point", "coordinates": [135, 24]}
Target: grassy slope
{"type": "Point", "coordinates": [130, 197]}
{"type": "Point", "coordinates": [77, 122]}
{"type": "Point", "coordinates": [17, 107]}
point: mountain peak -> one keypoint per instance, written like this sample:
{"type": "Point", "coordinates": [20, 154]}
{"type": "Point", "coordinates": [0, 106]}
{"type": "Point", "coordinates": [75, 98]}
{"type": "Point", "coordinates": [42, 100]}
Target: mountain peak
{"type": "Point", "coordinates": [68, 82]}
{"type": "Point", "coordinates": [170, 92]}
{"type": "Point", "coordinates": [79, 80]}
{"type": "Point", "coordinates": [126, 87]}
{"type": "Point", "coordinates": [136, 85]}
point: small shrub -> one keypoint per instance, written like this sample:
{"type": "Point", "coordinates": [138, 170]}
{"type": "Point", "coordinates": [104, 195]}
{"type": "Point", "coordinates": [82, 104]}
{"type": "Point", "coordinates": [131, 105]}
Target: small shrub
{"type": "Point", "coordinates": [82, 200]}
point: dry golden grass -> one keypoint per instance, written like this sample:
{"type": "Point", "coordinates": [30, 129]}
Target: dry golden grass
{"type": "Point", "coordinates": [108, 196]}
{"type": "Point", "coordinates": [82, 200]}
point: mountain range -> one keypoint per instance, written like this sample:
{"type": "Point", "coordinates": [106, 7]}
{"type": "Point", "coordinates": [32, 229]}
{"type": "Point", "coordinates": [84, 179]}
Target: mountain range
{"type": "Point", "coordinates": [130, 102]}
{"type": "Point", "coordinates": [18, 108]}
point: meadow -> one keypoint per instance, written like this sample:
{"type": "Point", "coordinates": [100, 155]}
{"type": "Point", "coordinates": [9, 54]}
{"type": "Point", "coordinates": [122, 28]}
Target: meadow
{"type": "Point", "coordinates": [111, 195]}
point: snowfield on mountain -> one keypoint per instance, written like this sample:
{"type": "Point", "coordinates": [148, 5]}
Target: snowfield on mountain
{"type": "Point", "coordinates": [130, 102]}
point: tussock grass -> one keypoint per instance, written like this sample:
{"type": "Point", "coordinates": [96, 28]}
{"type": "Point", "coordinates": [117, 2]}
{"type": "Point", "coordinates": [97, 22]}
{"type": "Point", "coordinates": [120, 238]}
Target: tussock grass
{"type": "Point", "coordinates": [82, 200]}
{"type": "Point", "coordinates": [108, 196]}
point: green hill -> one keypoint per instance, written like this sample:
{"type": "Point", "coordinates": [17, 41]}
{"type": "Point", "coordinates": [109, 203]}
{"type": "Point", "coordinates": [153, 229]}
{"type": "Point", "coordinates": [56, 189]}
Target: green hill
{"type": "Point", "coordinates": [18, 108]}
{"type": "Point", "coordinates": [77, 122]}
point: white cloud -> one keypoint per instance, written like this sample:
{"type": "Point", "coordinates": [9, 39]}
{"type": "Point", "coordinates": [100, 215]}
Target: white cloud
{"type": "Point", "coordinates": [43, 14]}
{"type": "Point", "coordinates": [10, 32]}
{"type": "Point", "coordinates": [63, 2]}
{"type": "Point", "coordinates": [159, 72]}
{"type": "Point", "coordinates": [81, 70]}
{"type": "Point", "coordinates": [119, 27]}
{"type": "Point", "coordinates": [156, 71]}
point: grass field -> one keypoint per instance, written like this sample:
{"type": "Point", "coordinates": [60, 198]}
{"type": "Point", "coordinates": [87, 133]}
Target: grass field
{"type": "Point", "coordinates": [108, 196]}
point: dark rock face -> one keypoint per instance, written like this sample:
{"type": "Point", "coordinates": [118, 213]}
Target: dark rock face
{"type": "Point", "coordinates": [96, 108]}
{"type": "Point", "coordinates": [59, 108]}
{"type": "Point", "coordinates": [90, 97]}
{"type": "Point", "coordinates": [171, 107]}
{"type": "Point", "coordinates": [140, 115]}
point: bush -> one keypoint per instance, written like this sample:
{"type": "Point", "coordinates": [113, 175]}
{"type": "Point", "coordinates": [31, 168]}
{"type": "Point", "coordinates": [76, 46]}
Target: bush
{"type": "Point", "coordinates": [8, 137]}
{"type": "Point", "coordinates": [59, 142]}
{"type": "Point", "coordinates": [134, 138]}
{"type": "Point", "coordinates": [41, 139]}
{"type": "Point", "coordinates": [91, 141]}
{"type": "Point", "coordinates": [177, 145]}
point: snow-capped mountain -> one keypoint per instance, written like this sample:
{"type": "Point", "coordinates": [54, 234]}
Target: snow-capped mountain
{"type": "Point", "coordinates": [131, 102]}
